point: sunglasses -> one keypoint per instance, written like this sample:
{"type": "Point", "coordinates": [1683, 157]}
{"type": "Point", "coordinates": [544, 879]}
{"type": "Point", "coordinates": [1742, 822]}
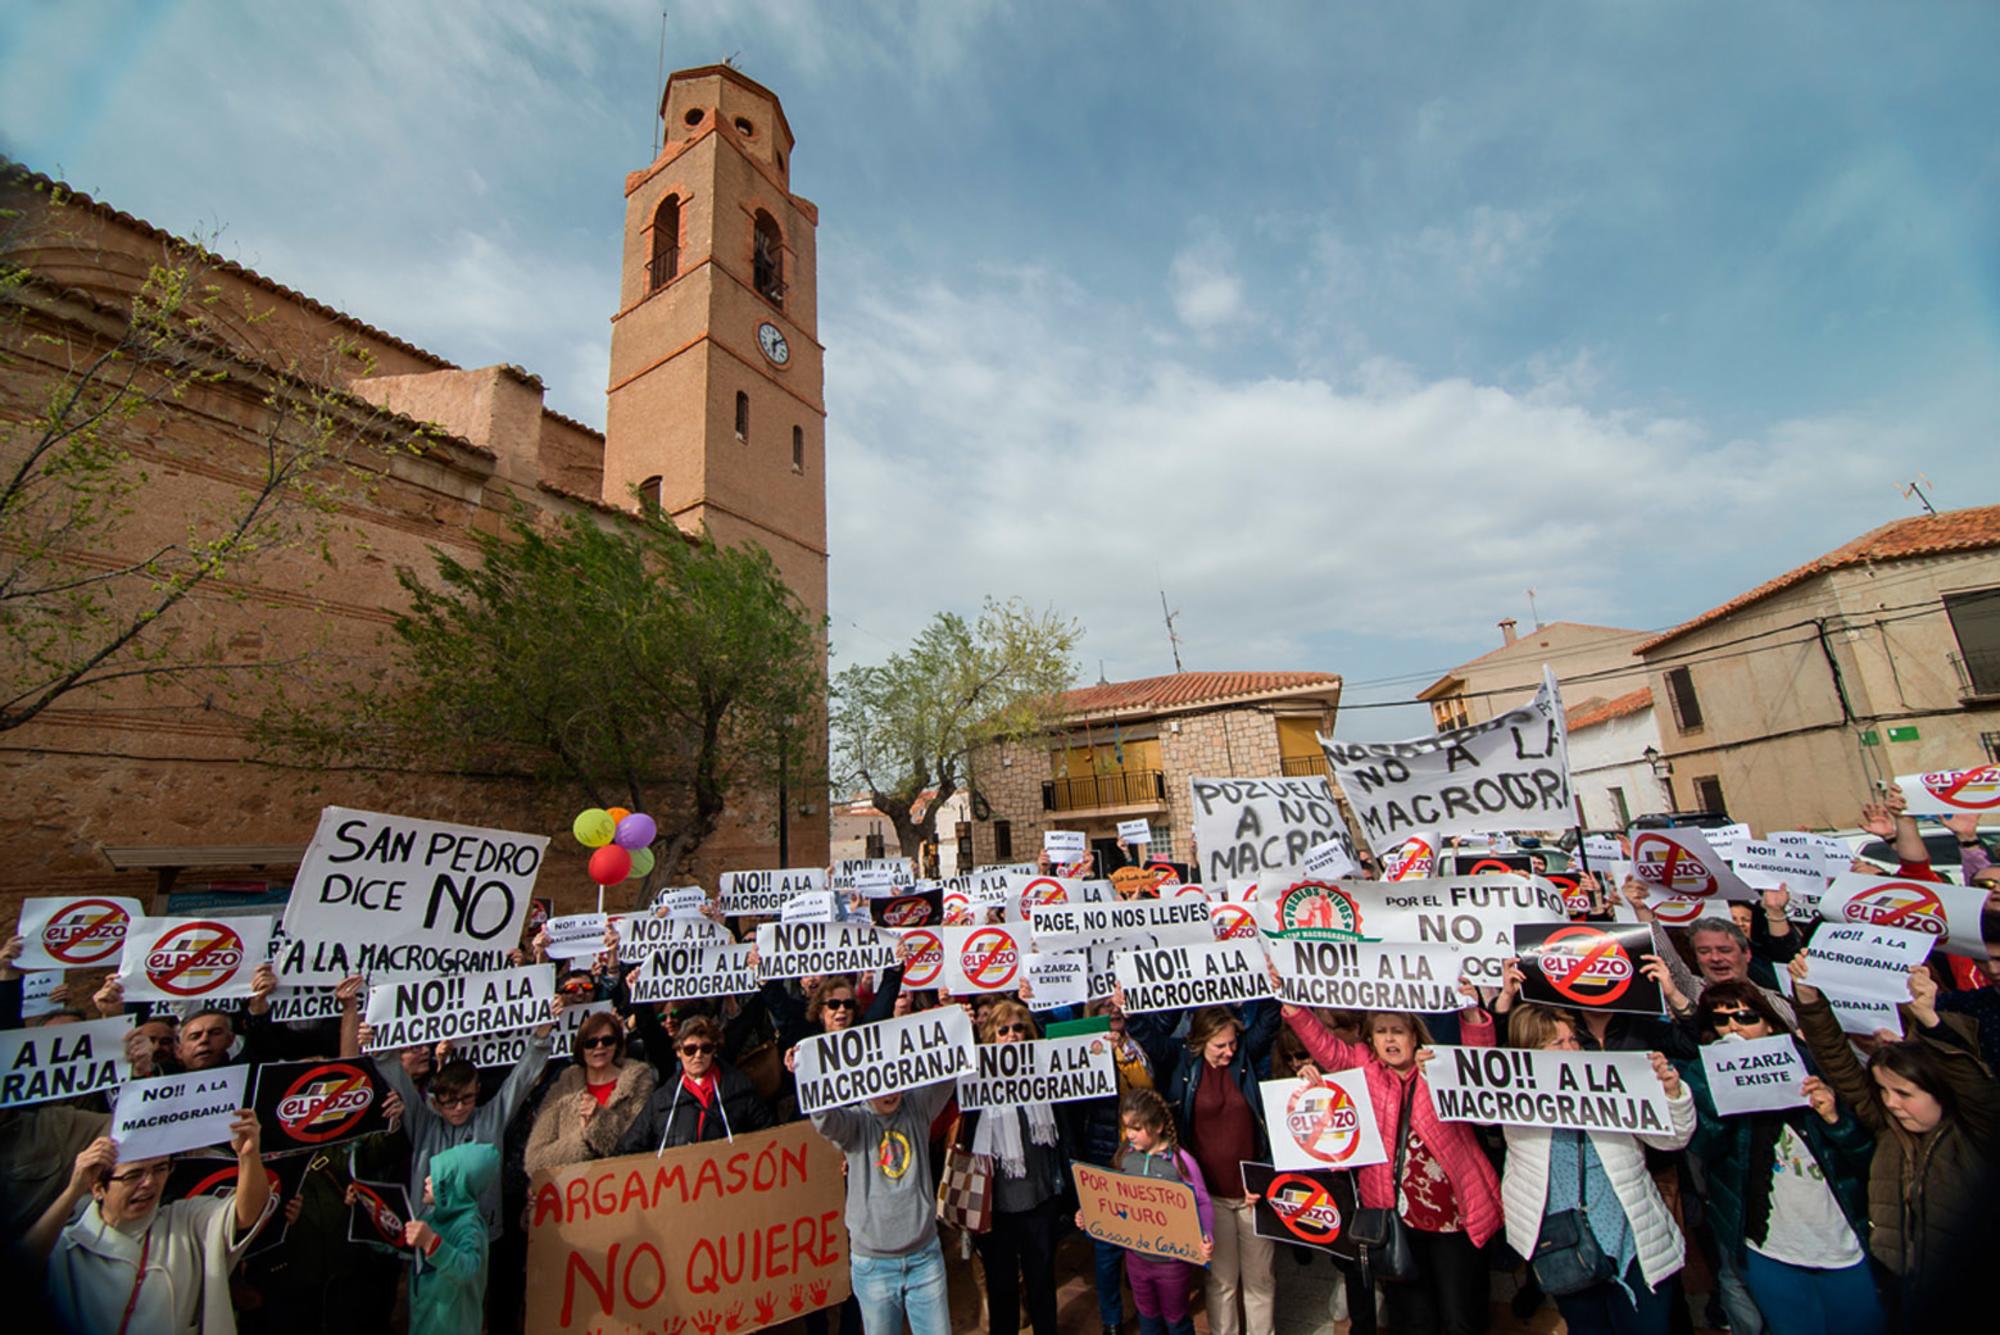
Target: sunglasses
{"type": "Point", "coordinates": [838, 1003]}
{"type": "Point", "coordinates": [1738, 1017]}
{"type": "Point", "coordinates": [1020, 1029]}
{"type": "Point", "coordinates": [697, 1049]}
{"type": "Point", "coordinates": [600, 1041]}
{"type": "Point", "coordinates": [575, 989]}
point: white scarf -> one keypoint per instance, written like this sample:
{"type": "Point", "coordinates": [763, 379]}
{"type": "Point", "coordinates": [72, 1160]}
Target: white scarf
{"type": "Point", "coordinates": [999, 1135]}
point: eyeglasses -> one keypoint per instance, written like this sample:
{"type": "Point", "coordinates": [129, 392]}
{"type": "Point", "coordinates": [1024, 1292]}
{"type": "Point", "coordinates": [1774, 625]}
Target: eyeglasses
{"type": "Point", "coordinates": [1020, 1029]}
{"type": "Point", "coordinates": [838, 1003]}
{"type": "Point", "coordinates": [697, 1049]}
{"type": "Point", "coordinates": [600, 1041]}
{"type": "Point", "coordinates": [455, 1100]}
{"type": "Point", "coordinates": [157, 1170]}
{"type": "Point", "coordinates": [1736, 1017]}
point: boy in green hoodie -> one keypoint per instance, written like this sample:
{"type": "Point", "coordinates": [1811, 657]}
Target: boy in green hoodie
{"type": "Point", "coordinates": [448, 1280]}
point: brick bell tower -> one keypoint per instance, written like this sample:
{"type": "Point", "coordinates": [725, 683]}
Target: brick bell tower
{"type": "Point", "coordinates": [716, 398]}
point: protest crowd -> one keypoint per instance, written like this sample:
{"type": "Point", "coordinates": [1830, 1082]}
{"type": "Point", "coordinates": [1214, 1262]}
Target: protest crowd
{"type": "Point", "coordinates": [1661, 1080]}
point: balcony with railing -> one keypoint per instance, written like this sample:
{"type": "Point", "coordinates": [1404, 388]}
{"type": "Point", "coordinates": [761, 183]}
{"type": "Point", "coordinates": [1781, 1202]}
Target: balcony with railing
{"type": "Point", "coordinates": [1978, 676]}
{"type": "Point", "coordinates": [1116, 788]}
{"type": "Point", "coordinates": [1302, 765]}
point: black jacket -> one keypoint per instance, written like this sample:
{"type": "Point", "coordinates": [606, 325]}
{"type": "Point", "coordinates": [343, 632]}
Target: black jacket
{"type": "Point", "coordinates": [673, 1117]}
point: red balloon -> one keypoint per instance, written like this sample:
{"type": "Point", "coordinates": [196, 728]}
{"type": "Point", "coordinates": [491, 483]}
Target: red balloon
{"type": "Point", "coordinates": [610, 864]}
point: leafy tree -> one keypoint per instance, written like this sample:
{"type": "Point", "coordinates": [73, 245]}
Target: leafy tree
{"type": "Point", "coordinates": [619, 660]}
{"type": "Point", "coordinates": [907, 725]}
{"type": "Point", "coordinates": [94, 583]}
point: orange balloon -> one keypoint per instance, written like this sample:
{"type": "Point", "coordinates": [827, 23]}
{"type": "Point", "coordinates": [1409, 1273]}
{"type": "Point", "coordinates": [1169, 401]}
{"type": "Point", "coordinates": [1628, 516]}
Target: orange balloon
{"type": "Point", "coordinates": [618, 813]}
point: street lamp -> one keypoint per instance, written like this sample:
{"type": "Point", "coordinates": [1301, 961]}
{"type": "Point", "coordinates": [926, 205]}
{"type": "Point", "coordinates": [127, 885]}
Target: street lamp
{"type": "Point", "coordinates": [1663, 772]}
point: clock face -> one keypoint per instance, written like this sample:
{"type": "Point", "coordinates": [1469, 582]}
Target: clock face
{"type": "Point", "coordinates": [772, 340]}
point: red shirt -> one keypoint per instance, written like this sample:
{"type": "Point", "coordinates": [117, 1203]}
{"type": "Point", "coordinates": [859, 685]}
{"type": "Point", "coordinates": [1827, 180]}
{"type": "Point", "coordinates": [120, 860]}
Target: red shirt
{"type": "Point", "coordinates": [602, 1093]}
{"type": "Point", "coordinates": [1224, 1133]}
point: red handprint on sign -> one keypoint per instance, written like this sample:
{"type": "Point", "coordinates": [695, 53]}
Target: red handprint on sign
{"type": "Point", "coordinates": [767, 1308]}
{"type": "Point", "coordinates": [819, 1290]}
{"type": "Point", "coordinates": [673, 1325]}
{"type": "Point", "coordinates": [706, 1321]}
{"type": "Point", "coordinates": [798, 1298]}
{"type": "Point", "coordinates": [734, 1321]}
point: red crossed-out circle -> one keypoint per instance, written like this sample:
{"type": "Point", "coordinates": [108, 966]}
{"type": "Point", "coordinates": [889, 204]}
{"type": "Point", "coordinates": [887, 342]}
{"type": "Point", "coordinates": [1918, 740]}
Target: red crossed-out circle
{"type": "Point", "coordinates": [1490, 865]}
{"type": "Point", "coordinates": [957, 907]}
{"type": "Point", "coordinates": [1575, 899]}
{"type": "Point", "coordinates": [1910, 905]}
{"type": "Point", "coordinates": [1587, 965]}
{"type": "Point", "coordinates": [1324, 1122]}
{"type": "Point", "coordinates": [1417, 860]}
{"type": "Point", "coordinates": [1164, 873]}
{"type": "Point", "coordinates": [195, 957]}
{"type": "Point", "coordinates": [1043, 891]}
{"type": "Point", "coordinates": [86, 932]}
{"type": "Point", "coordinates": [1305, 1208]}
{"type": "Point", "coordinates": [1676, 912]}
{"type": "Point", "coordinates": [386, 1221]}
{"type": "Point", "coordinates": [912, 911]}
{"type": "Point", "coordinates": [325, 1103]}
{"type": "Point", "coordinates": [926, 960]}
{"type": "Point", "coordinates": [989, 958]}
{"type": "Point", "coordinates": [1951, 788]}
{"type": "Point", "coordinates": [1232, 922]}
{"type": "Point", "coordinates": [226, 1177]}
{"type": "Point", "coordinates": [1680, 873]}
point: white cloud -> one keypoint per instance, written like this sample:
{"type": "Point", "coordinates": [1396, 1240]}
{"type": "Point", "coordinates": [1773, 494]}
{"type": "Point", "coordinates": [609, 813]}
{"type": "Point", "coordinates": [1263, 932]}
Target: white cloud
{"type": "Point", "coordinates": [1207, 293]}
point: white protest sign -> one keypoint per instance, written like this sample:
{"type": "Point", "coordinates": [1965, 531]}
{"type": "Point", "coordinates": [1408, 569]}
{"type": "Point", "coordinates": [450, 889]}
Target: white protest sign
{"type": "Point", "coordinates": [1332, 859]}
{"type": "Point", "coordinates": [1227, 973]}
{"type": "Point", "coordinates": [847, 1066]}
{"type": "Point", "coordinates": [1329, 1124]}
{"type": "Point", "coordinates": [1835, 858]}
{"type": "Point", "coordinates": [1747, 1075]}
{"type": "Point", "coordinates": [1246, 827]}
{"type": "Point", "coordinates": [1948, 914]}
{"type": "Point", "coordinates": [1414, 859]}
{"type": "Point", "coordinates": [805, 949]}
{"type": "Point", "coordinates": [184, 959]}
{"type": "Point", "coordinates": [1602, 850]}
{"type": "Point", "coordinates": [1350, 975]}
{"type": "Point", "coordinates": [1065, 846]}
{"type": "Point", "coordinates": [496, 1050]}
{"type": "Point", "coordinates": [432, 1010]}
{"type": "Point", "coordinates": [763, 894]}
{"type": "Point", "coordinates": [1952, 792]}
{"type": "Point", "coordinates": [1772, 866]}
{"type": "Point", "coordinates": [691, 972]}
{"type": "Point", "coordinates": [1474, 914]}
{"type": "Point", "coordinates": [640, 934]}
{"type": "Point", "coordinates": [1233, 922]}
{"type": "Point", "coordinates": [394, 897]}
{"type": "Point", "coordinates": [1024, 894]}
{"type": "Point", "coordinates": [1726, 839]}
{"type": "Point", "coordinates": [62, 1061]}
{"type": "Point", "coordinates": [1857, 1016]}
{"type": "Point", "coordinates": [38, 992]}
{"type": "Point", "coordinates": [681, 901]}
{"type": "Point", "coordinates": [1047, 1070]}
{"type": "Point", "coordinates": [1166, 922]}
{"type": "Point", "coordinates": [300, 1005]}
{"type": "Point", "coordinates": [855, 873]}
{"type": "Point", "coordinates": [1508, 773]}
{"type": "Point", "coordinates": [1135, 831]}
{"type": "Point", "coordinates": [811, 906]}
{"type": "Point", "coordinates": [1685, 877]}
{"type": "Point", "coordinates": [171, 1113]}
{"type": "Point", "coordinates": [75, 932]}
{"type": "Point", "coordinates": [983, 959]}
{"type": "Point", "coordinates": [1575, 1091]}
{"type": "Point", "coordinates": [575, 935]}
{"type": "Point", "coordinates": [1056, 980]}
{"type": "Point", "coordinates": [1871, 963]}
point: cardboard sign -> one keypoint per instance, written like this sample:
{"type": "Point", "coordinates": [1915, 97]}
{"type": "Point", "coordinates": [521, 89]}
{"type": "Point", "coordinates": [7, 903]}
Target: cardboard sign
{"type": "Point", "coordinates": [1870, 963]}
{"type": "Point", "coordinates": [1065, 846]}
{"type": "Point", "coordinates": [575, 936]}
{"type": "Point", "coordinates": [1747, 1075]}
{"type": "Point", "coordinates": [1046, 1070]}
{"type": "Point", "coordinates": [379, 1212]}
{"type": "Point", "coordinates": [1414, 859]}
{"type": "Point", "coordinates": [694, 972]}
{"type": "Point", "coordinates": [493, 1051]}
{"type": "Point", "coordinates": [1575, 1091]}
{"type": "Point", "coordinates": [1948, 914]}
{"type": "Point", "coordinates": [1329, 1124]}
{"type": "Point", "coordinates": [1508, 773]}
{"type": "Point", "coordinates": [393, 897]}
{"type": "Point", "coordinates": [463, 1006]}
{"type": "Point", "coordinates": [1227, 973]}
{"type": "Point", "coordinates": [74, 933]}
{"type": "Point", "coordinates": [1055, 980]}
{"type": "Point", "coordinates": [763, 894]}
{"type": "Point", "coordinates": [809, 949]}
{"type": "Point", "coordinates": [170, 1113]}
{"type": "Point", "coordinates": [1679, 864]}
{"type": "Point", "coordinates": [182, 959]}
{"type": "Point", "coordinates": [1135, 831]}
{"type": "Point", "coordinates": [1141, 1214]}
{"type": "Point", "coordinates": [1166, 922]}
{"type": "Point", "coordinates": [1311, 1209]}
{"type": "Point", "coordinates": [725, 1235]}
{"type": "Point", "coordinates": [983, 959]}
{"type": "Point", "coordinates": [1246, 827]}
{"type": "Point", "coordinates": [1950, 792]}
{"type": "Point", "coordinates": [1587, 965]}
{"type": "Point", "coordinates": [640, 934]}
{"type": "Point", "coordinates": [1349, 975]}
{"type": "Point", "coordinates": [61, 1061]}
{"type": "Point", "coordinates": [848, 1066]}
{"type": "Point", "coordinates": [1475, 914]}
{"type": "Point", "coordinates": [312, 1104]}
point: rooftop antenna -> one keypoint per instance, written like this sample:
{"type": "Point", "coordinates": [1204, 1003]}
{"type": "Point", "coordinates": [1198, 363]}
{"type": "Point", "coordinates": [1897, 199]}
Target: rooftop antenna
{"type": "Point", "coordinates": [657, 136]}
{"type": "Point", "coordinates": [1533, 615]}
{"type": "Point", "coordinates": [1173, 638]}
{"type": "Point", "coordinates": [1102, 680]}
{"type": "Point", "coordinates": [1917, 488]}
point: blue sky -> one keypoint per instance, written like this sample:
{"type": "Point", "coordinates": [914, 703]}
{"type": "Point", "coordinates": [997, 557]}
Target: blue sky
{"type": "Point", "coordinates": [1346, 323]}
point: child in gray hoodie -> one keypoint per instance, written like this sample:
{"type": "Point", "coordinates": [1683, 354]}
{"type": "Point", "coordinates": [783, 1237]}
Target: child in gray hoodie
{"type": "Point", "coordinates": [897, 1265]}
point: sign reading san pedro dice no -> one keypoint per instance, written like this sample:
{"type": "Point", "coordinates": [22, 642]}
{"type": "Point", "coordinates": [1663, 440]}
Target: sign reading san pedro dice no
{"type": "Point", "coordinates": [312, 1104]}
{"type": "Point", "coordinates": [1595, 966]}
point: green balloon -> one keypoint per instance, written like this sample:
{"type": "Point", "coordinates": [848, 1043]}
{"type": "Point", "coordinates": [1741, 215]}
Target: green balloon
{"type": "Point", "coordinates": [594, 828]}
{"type": "Point", "coordinates": [642, 862]}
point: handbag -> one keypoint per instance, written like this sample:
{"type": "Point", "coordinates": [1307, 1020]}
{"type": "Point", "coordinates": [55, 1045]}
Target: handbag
{"type": "Point", "coordinates": [1567, 1258]}
{"type": "Point", "coordinates": [965, 1190]}
{"type": "Point", "coordinates": [1382, 1235]}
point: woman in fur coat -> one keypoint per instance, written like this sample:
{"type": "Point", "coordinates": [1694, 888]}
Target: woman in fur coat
{"type": "Point", "coordinates": [590, 1106]}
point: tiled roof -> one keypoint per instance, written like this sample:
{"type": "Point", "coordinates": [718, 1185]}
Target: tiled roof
{"type": "Point", "coordinates": [1520, 643]}
{"type": "Point", "coordinates": [1594, 712]}
{"type": "Point", "coordinates": [1187, 688]}
{"type": "Point", "coordinates": [1921, 535]}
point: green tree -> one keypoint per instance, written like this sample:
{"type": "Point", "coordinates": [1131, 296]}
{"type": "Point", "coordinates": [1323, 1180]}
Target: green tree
{"type": "Point", "coordinates": [622, 662]}
{"type": "Point", "coordinates": [95, 580]}
{"type": "Point", "coordinates": [907, 725]}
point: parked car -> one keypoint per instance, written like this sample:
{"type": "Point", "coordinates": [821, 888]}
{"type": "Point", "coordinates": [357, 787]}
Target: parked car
{"type": "Point", "coordinates": [1666, 820]}
{"type": "Point", "coordinates": [1942, 845]}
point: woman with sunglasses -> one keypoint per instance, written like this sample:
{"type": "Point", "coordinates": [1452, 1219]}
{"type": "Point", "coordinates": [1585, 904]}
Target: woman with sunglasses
{"type": "Point", "coordinates": [1787, 1189]}
{"type": "Point", "coordinates": [708, 1099]}
{"type": "Point", "coordinates": [1029, 1170]}
{"type": "Point", "coordinates": [587, 1110]}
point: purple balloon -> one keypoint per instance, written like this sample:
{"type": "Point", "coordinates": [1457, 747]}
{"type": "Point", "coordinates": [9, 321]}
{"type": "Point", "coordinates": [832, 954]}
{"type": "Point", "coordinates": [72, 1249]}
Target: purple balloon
{"type": "Point", "coordinates": [635, 831]}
